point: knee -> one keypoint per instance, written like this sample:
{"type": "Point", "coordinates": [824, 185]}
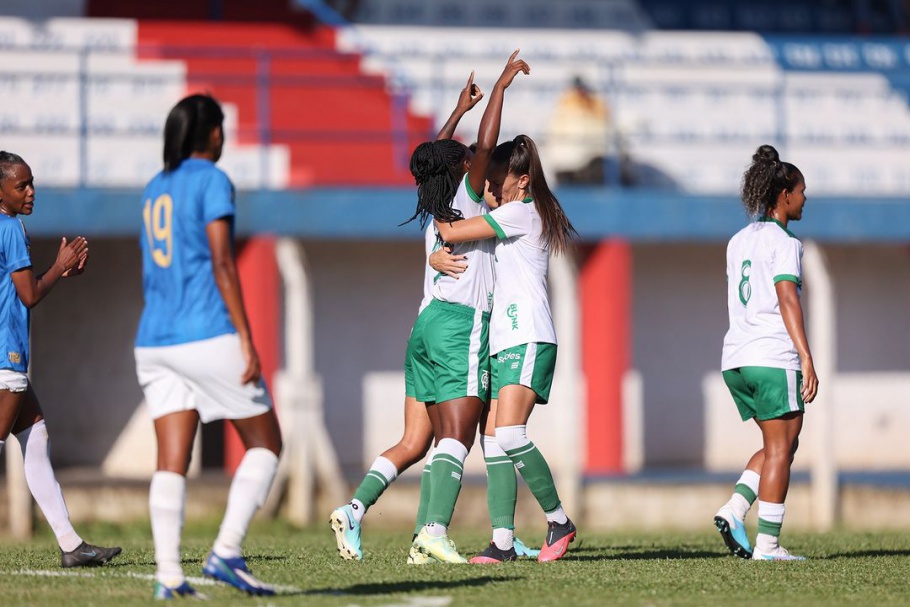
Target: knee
{"type": "Point", "coordinates": [512, 437]}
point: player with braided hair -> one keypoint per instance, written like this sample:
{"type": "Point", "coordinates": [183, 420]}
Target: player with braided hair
{"type": "Point", "coordinates": [448, 351]}
{"type": "Point", "coordinates": [766, 362]}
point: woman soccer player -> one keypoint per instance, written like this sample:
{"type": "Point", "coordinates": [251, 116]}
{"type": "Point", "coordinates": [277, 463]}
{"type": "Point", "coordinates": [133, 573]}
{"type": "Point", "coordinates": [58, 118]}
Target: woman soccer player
{"type": "Point", "coordinates": [448, 350]}
{"type": "Point", "coordinates": [20, 411]}
{"type": "Point", "coordinates": [528, 223]}
{"type": "Point", "coordinates": [194, 353]}
{"type": "Point", "coordinates": [766, 360]}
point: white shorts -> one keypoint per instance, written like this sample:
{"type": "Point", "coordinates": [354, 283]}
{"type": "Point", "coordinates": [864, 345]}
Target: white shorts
{"type": "Point", "coordinates": [14, 381]}
{"type": "Point", "coordinates": [202, 375]}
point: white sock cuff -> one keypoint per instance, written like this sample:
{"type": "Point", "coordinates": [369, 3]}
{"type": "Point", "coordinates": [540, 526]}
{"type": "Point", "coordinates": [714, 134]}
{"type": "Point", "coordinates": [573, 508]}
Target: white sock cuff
{"type": "Point", "coordinates": [491, 447]}
{"type": "Point", "coordinates": [385, 467]}
{"type": "Point", "coordinates": [453, 448]}
{"type": "Point", "coordinates": [512, 437]}
{"type": "Point", "coordinates": [167, 490]}
{"type": "Point", "coordinates": [750, 479]}
{"type": "Point", "coordinates": [773, 513]}
{"type": "Point", "coordinates": [259, 465]}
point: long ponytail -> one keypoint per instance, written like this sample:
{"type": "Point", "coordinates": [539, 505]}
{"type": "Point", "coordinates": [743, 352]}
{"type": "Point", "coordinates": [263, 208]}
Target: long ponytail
{"type": "Point", "coordinates": [188, 128]}
{"type": "Point", "coordinates": [522, 158]}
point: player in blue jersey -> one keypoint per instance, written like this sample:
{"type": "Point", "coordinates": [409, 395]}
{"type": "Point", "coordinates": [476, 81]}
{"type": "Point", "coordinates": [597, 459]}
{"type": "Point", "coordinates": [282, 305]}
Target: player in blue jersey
{"type": "Point", "coordinates": [20, 412]}
{"type": "Point", "coordinates": [194, 352]}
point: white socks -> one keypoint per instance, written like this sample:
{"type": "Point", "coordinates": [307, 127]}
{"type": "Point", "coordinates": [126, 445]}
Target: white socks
{"type": "Point", "coordinates": [167, 499]}
{"type": "Point", "coordinates": [249, 490]}
{"type": "Point", "coordinates": [770, 520]}
{"type": "Point", "coordinates": [512, 437]}
{"type": "Point", "coordinates": [43, 484]}
{"type": "Point", "coordinates": [557, 516]}
{"type": "Point", "coordinates": [504, 538]}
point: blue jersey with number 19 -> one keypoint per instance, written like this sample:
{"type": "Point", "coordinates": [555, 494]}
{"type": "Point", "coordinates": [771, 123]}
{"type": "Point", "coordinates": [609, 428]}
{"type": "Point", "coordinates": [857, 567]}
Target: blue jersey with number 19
{"type": "Point", "coordinates": [182, 301]}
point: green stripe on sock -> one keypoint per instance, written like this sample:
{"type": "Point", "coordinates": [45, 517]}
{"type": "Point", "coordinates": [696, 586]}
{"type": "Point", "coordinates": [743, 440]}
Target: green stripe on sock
{"type": "Point", "coordinates": [534, 469]}
{"type": "Point", "coordinates": [371, 487]}
{"type": "Point", "coordinates": [746, 492]}
{"type": "Point", "coordinates": [502, 492]}
{"type": "Point", "coordinates": [769, 528]}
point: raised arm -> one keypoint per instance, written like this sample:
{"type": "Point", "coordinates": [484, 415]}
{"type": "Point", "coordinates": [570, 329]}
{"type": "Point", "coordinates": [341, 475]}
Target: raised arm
{"type": "Point", "coordinates": [792, 313]}
{"type": "Point", "coordinates": [71, 259]}
{"type": "Point", "coordinates": [224, 268]}
{"type": "Point", "coordinates": [488, 133]}
{"type": "Point", "coordinates": [469, 97]}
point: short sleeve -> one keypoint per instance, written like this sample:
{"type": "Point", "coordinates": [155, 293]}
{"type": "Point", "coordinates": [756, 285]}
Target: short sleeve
{"type": "Point", "coordinates": [787, 263]}
{"type": "Point", "coordinates": [15, 247]}
{"type": "Point", "coordinates": [510, 220]}
{"type": "Point", "coordinates": [217, 198]}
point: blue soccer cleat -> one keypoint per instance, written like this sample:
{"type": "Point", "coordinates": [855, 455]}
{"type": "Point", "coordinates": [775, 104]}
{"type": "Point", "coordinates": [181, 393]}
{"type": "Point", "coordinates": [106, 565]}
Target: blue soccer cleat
{"type": "Point", "coordinates": [522, 550]}
{"type": "Point", "coordinates": [733, 531]}
{"type": "Point", "coordinates": [347, 533]}
{"type": "Point", "coordinates": [184, 590]}
{"type": "Point", "coordinates": [235, 572]}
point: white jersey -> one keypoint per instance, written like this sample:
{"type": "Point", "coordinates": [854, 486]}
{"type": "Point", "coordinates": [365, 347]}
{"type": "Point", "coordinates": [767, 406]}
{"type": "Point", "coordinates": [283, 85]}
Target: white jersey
{"type": "Point", "coordinates": [521, 303]}
{"type": "Point", "coordinates": [430, 244]}
{"type": "Point", "coordinates": [473, 287]}
{"type": "Point", "coordinates": [758, 257]}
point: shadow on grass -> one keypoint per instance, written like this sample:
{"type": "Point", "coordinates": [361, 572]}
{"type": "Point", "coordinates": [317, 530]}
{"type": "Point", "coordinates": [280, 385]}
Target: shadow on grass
{"type": "Point", "coordinates": [399, 587]}
{"type": "Point", "coordinates": [645, 555]}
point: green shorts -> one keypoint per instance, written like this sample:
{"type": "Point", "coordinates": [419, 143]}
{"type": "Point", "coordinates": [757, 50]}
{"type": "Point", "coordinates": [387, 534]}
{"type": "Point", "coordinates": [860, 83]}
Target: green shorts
{"type": "Point", "coordinates": [765, 392]}
{"type": "Point", "coordinates": [530, 365]}
{"type": "Point", "coordinates": [448, 354]}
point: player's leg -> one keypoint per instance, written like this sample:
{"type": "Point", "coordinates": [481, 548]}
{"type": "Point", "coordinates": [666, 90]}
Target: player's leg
{"type": "Point", "coordinates": [458, 426]}
{"type": "Point", "coordinates": [780, 438]}
{"type": "Point", "coordinates": [175, 433]}
{"type": "Point", "coordinates": [31, 432]}
{"type": "Point", "coordinates": [730, 518]}
{"type": "Point", "coordinates": [502, 490]}
{"type": "Point", "coordinates": [414, 444]}
{"type": "Point", "coordinates": [250, 487]}
{"type": "Point", "coordinates": [779, 407]}
{"type": "Point", "coordinates": [526, 381]}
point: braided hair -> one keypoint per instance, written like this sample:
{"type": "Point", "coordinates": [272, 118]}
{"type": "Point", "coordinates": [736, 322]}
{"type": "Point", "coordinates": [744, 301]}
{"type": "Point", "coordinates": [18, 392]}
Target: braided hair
{"type": "Point", "coordinates": [8, 159]}
{"type": "Point", "coordinates": [521, 157]}
{"type": "Point", "coordinates": [765, 179]}
{"type": "Point", "coordinates": [437, 167]}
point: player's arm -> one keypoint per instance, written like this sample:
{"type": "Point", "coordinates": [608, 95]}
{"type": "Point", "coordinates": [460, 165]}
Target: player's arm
{"type": "Point", "coordinates": [469, 97]}
{"type": "Point", "coordinates": [32, 289]}
{"type": "Point", "coordinates": [466, 230]}
{"type": "Point", "coordinates": [792, 313]}
{"type": "Point", "coordinates": [488, 132]}
{"type": "Point", "coordinates": [224, 269]}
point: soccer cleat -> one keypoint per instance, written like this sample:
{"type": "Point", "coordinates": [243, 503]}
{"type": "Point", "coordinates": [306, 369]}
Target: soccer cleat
{"type": "Point", "coordinates": [440, 548]}
{"type": "Point", "coordinates": [522, 550]}
{"type": "Point", "coordinates": [347, 533]}
{"type": "Point", "coordinates": [778, 554]}
{"type": "Point", "coordinates": [559, 536]}
{"type": "Point", "coordinates": [184, 590]}
{"type": "Point", "coordinates": [235, 572]}
{"type": "Point", "coordinates": [87, 555]}
{"type": "Point", "coordinates": [493, 554]}
{"type": "Point", "coordinates": [416, 557]}
{"type": "Point", "coordinates": [733, 531]}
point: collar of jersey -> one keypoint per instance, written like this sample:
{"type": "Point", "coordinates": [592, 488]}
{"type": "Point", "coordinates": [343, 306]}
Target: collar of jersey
{"type": "Point", "coordinates": [771, 219]}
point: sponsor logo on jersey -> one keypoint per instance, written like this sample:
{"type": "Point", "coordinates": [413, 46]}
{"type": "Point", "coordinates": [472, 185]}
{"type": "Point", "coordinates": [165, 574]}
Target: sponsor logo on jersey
{"type": "Point", "coordinates": [512, 312]}
{"type": "Point", "coordinates": [15, 357]}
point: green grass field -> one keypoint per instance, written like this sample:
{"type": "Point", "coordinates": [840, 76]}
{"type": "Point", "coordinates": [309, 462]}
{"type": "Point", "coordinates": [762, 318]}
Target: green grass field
{"type": "Point", "coordinates": [602, 569]}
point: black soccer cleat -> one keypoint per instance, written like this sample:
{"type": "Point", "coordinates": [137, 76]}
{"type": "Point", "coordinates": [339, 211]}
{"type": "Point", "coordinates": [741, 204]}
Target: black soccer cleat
{"type": "Point", "coordinates": [493, 554]}
{"type": "Point", "coordinates": [87, 555]}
